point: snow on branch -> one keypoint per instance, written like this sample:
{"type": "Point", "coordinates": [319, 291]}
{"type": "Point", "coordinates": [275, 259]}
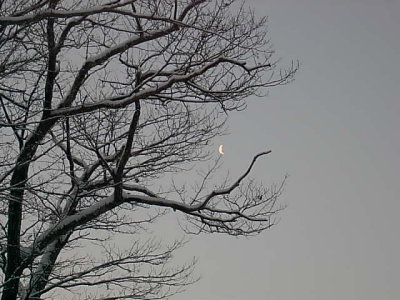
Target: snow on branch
{"type": "Point", "coordinates": [209, 215]}
{"type": "Point", "coordinates": [65, 110]}
{"type": "Point", "coordinates": [112, 7]}
{"type": "Point", "coordinates": [21, 18]}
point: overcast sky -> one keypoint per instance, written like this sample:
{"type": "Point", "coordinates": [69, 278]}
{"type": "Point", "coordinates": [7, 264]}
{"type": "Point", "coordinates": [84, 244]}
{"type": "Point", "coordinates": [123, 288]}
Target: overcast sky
{"type": "Point", "coordinates": [335, 131]}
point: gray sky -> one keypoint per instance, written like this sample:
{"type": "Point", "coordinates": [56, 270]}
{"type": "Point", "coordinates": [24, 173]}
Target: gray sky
{"type": "Point", "coordinates": [335, 131]}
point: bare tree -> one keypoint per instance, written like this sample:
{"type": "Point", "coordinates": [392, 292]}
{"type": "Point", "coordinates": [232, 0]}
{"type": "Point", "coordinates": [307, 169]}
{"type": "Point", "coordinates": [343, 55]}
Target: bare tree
{"type": "Point", "coordinates": [101, 102]}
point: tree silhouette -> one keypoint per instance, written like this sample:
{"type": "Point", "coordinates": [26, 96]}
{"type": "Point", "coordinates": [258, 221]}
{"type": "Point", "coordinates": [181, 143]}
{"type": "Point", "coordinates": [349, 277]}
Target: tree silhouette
{"type": "Point", "coordinates": [100, 102]}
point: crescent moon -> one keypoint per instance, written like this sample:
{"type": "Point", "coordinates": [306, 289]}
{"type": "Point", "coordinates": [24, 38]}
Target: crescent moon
{"type": "Point", "coordinates": [221, 150]}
